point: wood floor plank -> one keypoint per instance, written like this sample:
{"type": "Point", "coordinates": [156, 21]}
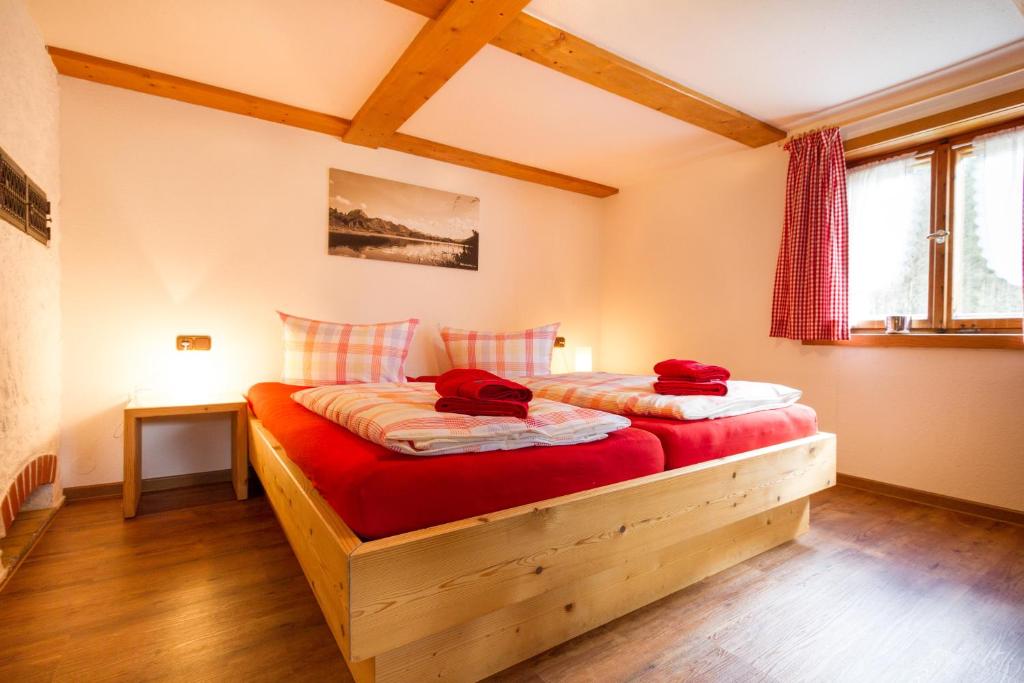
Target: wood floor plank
{"type": "Point", "coordinates": [202, 587]}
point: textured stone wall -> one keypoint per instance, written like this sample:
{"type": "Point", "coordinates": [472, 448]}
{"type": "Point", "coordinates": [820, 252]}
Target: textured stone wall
{"type": "Point", "coordinates": [29, 272]}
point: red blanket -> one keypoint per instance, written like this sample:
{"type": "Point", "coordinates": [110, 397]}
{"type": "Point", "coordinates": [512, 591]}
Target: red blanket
{"type": "Point", "coordinates": [679, 387]}
{"type": "Point", "coordinates": [481, 385]}
{"type": "Point", "coordinates": [690, 370]}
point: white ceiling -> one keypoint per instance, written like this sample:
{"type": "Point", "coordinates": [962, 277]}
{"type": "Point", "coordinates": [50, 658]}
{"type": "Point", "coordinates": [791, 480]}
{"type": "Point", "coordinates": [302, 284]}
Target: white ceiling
{"type": "Point", "coordinates": [785, 59]}
{"type": "Point", "coordinates": [780, 60]}
{"type": "Point", "coordinates": [326, 55]}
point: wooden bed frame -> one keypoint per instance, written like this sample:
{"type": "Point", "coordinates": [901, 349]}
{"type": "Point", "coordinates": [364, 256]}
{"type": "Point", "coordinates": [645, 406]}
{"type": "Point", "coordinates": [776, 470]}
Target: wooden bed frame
{"type": "Point", "coordinates": [463, 600]}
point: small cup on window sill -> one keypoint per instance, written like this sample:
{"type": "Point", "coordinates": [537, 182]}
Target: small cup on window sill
{"type": "Point", "coordinates": [897, 324]}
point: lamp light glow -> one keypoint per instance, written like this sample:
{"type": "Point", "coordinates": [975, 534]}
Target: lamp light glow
{"type": "Point", "coordinates": [584, 359]}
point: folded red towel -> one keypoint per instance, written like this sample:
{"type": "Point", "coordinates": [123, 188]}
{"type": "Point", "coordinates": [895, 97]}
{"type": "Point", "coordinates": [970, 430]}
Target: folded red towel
{"type": "Point", "coordinates": [690, 370]}
{"type": "Point", "coordinates": [470, 406]}
{"type": "Point", "coordinates": [480, 384]}
{"type": "Point", "coordinates": [681, 387]}
{"type": "Point", "coordinates": [671, 378]}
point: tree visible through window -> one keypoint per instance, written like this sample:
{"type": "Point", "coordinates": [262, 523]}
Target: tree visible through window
{"type": "Point", "coordinates": [889, 218]}
{"type": "Point", "coordinates": [936, 232]}
{"type": "Point", "coordinates": [987, 215]}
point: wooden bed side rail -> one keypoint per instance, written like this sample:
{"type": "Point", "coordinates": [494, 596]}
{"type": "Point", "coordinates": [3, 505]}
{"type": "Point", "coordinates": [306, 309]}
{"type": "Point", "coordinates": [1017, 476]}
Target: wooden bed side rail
{"type": "Point", "coordinates": [478, 648]}
{"type": "Point", "coordinates": [426, 584]}
{"type": "Point", "coordinates": [321, 540]}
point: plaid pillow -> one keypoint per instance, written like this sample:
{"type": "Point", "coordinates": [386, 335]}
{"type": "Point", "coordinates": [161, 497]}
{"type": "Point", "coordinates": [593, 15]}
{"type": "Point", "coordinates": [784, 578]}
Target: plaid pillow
{"type": "Point", "coordinates": [317, 353]}
{"type": "Point", "coordinates": [508, 354]}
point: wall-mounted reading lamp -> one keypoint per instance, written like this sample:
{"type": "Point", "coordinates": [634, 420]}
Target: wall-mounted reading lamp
{"type": "Point", "coordinates": [193, 342]}
{"type": "Point", "coordinates": [584, 360]}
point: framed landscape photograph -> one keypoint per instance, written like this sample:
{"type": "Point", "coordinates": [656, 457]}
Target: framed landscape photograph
{"type": "Point", "coordinates": [375, 218]}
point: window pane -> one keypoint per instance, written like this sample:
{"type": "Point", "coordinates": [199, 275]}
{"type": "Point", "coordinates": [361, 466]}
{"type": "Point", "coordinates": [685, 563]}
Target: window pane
{"type": "Point", "coordinates": [986, 238]}
{"type": "Point", "coordinates": [890, 218]}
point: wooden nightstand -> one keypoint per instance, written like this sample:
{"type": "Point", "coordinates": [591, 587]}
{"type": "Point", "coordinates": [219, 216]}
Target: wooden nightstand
{"type": "Point", "coordinates": [156, 408]}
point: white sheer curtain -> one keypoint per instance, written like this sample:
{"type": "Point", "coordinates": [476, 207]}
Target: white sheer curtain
{"type": "Point", "coordinates": [887, 236]}
{"type": "Point", "coordinates": [999, 197]}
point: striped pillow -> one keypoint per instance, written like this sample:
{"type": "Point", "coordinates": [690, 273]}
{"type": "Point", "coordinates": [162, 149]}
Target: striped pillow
{"type": "Point", "coordinates": [317, 353]}
{"type": "Point", "coordinates": [508, 354]}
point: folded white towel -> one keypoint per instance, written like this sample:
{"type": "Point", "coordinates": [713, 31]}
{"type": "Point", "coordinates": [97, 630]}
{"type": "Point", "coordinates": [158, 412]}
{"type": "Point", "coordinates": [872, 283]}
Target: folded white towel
{"type": "Point", "coordinates": [635, 395]}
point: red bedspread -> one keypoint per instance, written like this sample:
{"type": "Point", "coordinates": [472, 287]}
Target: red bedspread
{"type": "Point", "coordinates": [688, 443]}
{"type": "Point", "coordinates": [381, 493]}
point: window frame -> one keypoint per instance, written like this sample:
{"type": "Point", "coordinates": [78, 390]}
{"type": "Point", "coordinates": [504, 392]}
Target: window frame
{"type": "Point", "coordinates": [940, 319]}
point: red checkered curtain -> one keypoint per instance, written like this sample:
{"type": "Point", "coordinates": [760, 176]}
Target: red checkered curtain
{"type": "Point", "coordinates": [811, 277]}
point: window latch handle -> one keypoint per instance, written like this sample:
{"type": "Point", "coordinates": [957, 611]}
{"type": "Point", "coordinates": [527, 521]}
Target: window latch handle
{"type": "Point", "coordinates": [939, 236]}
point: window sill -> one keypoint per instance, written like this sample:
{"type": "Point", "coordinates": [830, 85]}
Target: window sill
{"type": "Point", "coordinates": [951, 340]}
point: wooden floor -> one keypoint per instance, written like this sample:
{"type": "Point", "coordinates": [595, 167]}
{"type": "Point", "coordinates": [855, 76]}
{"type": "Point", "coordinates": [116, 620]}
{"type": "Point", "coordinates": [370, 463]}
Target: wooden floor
{"type": "Point", "coordinates": [204, 588]}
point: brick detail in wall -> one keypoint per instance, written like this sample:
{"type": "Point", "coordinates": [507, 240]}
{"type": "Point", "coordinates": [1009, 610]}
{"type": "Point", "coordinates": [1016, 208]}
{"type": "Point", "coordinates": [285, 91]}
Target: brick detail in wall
{"type": "Point", "coordinates": [42, 470]}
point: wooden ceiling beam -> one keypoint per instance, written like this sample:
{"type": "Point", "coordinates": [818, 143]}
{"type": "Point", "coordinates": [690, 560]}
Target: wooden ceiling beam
{"type": "Point", "coordinates": [440, 49]}
{"type": "Point", "coordinates": [560, 50]}
{"type": "Point", "coordinates": [401, 142]}
{"type": "Point", "coordinates": [107, 72]}
{"type": "Point", "coordinates": [99, 70]}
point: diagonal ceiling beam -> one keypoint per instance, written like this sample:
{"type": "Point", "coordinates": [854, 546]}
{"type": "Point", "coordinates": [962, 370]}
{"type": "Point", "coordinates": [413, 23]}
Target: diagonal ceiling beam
{"type": "Point", "coordinates": [99, 70]}
{"type": "Point", "coordinates": [440, 49]}
{"type": "Point", "coordinates": [556, 49]}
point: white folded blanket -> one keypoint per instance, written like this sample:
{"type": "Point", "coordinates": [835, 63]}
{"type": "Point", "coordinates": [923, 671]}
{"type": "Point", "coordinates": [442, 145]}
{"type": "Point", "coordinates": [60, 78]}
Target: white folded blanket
{"type": "Point", "coordinates": [401, 417]}
{"type": "Point", "coordinates": [635, 395]}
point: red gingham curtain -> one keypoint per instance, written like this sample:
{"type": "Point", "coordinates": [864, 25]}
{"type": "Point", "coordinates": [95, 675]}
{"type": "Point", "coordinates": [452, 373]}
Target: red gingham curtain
{"type": "Point", "coordinates": [811, 278]}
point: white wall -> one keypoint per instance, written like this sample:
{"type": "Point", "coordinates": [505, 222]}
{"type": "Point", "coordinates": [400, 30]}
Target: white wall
{"type": "Point", "coordinates": [688, 267]}
{"type": "Point", "coordinates": [29, 274]}
{"type": "Point", "coordinates": [181, 219]}
{"type": "Point", "coordinates": [185, 220]}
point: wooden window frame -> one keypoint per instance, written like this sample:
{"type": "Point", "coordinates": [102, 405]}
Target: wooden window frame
{"type": "Point", "coordinates": [940, 321]}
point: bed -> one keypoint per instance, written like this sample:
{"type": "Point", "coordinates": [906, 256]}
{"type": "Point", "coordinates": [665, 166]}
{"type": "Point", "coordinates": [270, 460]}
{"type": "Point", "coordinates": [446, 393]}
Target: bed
{"type": "Point", "coordinates": [467, 597]}
{"type": "Point", "coordinates": [689, 443]}
{"type": "Point", "coordinates": [380, 493]}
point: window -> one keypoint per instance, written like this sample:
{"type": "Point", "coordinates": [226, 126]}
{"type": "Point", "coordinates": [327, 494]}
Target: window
{"type": "Point", "coordinates": [935, 233]}
{"type": "Point", "coordinates": [987, 221]}
{"type": "Point", "coordinates": [890, 217]}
